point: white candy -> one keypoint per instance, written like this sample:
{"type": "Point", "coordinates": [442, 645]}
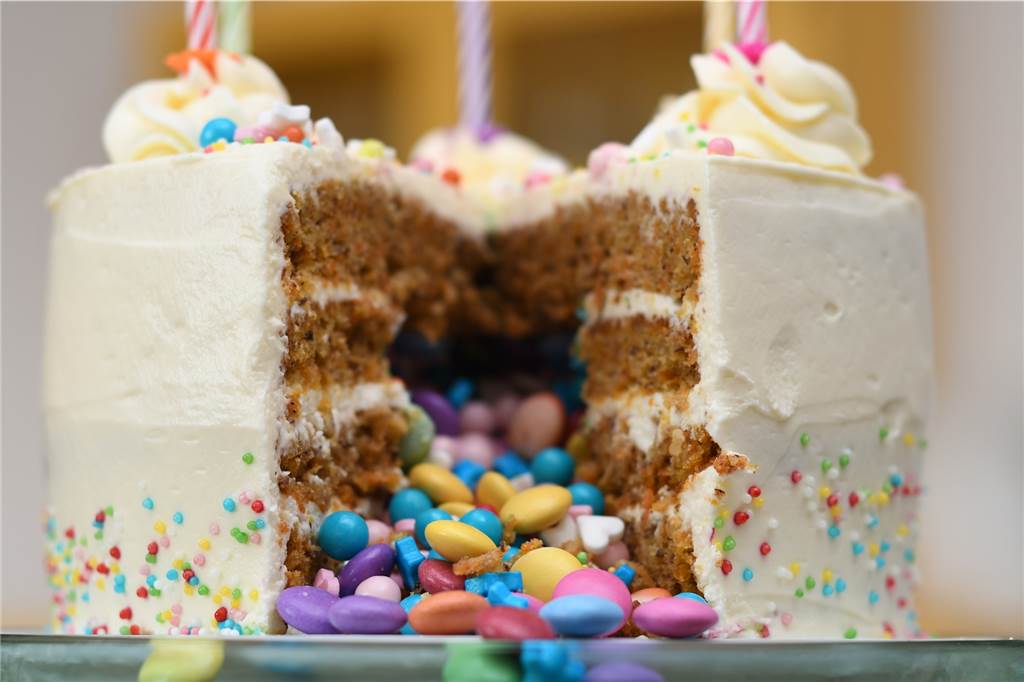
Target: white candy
{"type": "Point", "coordinates": [561, 533]}
{"type": "Point", "coordinates": [597, 532]}
{"type": "Point", "coordinates": [283, 115]}
{"type": "Point", "coordinates": [522, 481]}
{"type": "Point", "coordinates": [327, 135]}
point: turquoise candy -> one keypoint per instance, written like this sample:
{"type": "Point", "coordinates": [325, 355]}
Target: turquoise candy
{"type": "Point", "coordinates": [424, 519]}
{"type": "Point", "coordinates": [415, 445]}
{"type": "Point", "coordinates": [408, 503]}
{"type": "Point", "coordinates": [586, 493]}
{"type": "Point", "coordinates": [581, 615]}
{"type": "Point", "coordinates": [478, 662]}
{"type": "Point", "coordinates": [486, 522]}
{"type": "Point", "coordinates": [217, 129]}
{"type": "Point", "coordinates": [407, 604]}
{"type": "Point", "coordinates": [552, 465]}
{"type": "Point", "coordinates": [343, 534]}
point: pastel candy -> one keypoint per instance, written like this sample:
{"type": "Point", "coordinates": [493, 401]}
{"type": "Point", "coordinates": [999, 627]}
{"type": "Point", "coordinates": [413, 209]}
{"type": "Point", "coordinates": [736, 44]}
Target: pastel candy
{"type": "Point", "coordinates": [537, 508]}
{"type": "Point", "coordinates": [617, 671]}
{"type": "Point", "coordinates": [379, 531]}
{"type": "Point", "coordinates": [342, 534]}
{"type": "Point", "coordinates": [647, 594]}
{"type": "Point", "coordinates": [508, 622]}
{"type": "Point", "coordinates": [424, 519]}
{"type": "Point", "coordinates": [597, 532]}
{"type": "Point", "coordinates": [616, 552]}
{"type": "Point", "coordinates": [477, 417]}
{"type": "Point", "coordinates": [456, 508]}
{"type": "Point", "coordinates": [672, 617]}
{"type": "Point", "coordinates": [441, 412]}
{"type": "Point", "coordinates": [374, 560]}
{"type": "Point", "coordinates": [581, 615]}
{"type": "Point", "coordinates": [543, 568]}
{"type": "Point", "coordinates": [477, 448]}
{"type": "Point", "coordinates": [364, 615]}
{"type": "Point", "coordinates": [381, 587]}
{"type": "Point", "coordinates": [437, 576]}
{"type": "Point", "coordinates": [494, 490]}
{"type": "Point", "coordinates": [447, 613]}
{"type": "Point", "coordinates": [455, 540]}
{"type": "Point", "coordinates": [538, 423]}
{"type": "Point", "coordinates": [594, 581]}
{"type": "Point", "coordinates": [560, 533]}
{"type": "Point", "coordinates": [439, 484]}
{"type": "Point", "coordinates": [415, 444]}
{"type": "Point", "coordinates": [305, 608]}
{"type": "Point", "coordinates": [486, 522]}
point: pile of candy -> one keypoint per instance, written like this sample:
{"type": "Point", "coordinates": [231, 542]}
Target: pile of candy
{"type": "Point", "coordinates": [492, 537]}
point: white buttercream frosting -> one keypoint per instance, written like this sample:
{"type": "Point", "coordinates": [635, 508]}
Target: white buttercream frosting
{"type": "Point", "coordinates": [785, 107]}
{"type": "Point", "coordinates": [164, 117]}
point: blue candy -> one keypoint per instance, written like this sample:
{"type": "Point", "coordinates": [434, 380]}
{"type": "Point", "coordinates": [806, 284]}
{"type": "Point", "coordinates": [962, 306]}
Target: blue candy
{"type": "Point", "coordinates": [692, 595]}
{"type": "Point", "coordinates": [626, 573]}
{"type": "Point", "coordinates": [587, 493]}
{"type": "Point", "coordinates": [408, 556]}
{"type": "Point", "coordinates": [486, 522]}
{"type": "Point", "coordinates": [499, 595]}
{"type": "Point", "coordinates": [434, 554]}
{"type": "Point", "coordinates": [408, 503]}
{"type": "Point", "coordinates": [217, 129]}
{"type": "Point", "coordinates": [469, 471]}
{"type": "Point", "coordinates": [460, 391]}
{"type": "Point", "coordinates": [424, 518]}
{"type": "Point", "coordinates": [550, 661]}
{"type": "Point", "coordinates": [582, 615]}
{"type": "Point", "coordinates": [407, 604]}
{"type": "Point", "coordinates": [343, 534]}
{"type": "Point", "coordinates": [510, 465]}
{"type": "Point", "coordinates": [510, 555]}
{"type": "Point", "coordinates": [482, 584]}
{"type": "Point", "coordinates": [552, 465]}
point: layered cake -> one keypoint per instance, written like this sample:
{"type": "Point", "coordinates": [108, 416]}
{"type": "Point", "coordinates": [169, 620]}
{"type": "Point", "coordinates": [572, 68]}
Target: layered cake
{"type": "Point", "coordinates": [752, 313]}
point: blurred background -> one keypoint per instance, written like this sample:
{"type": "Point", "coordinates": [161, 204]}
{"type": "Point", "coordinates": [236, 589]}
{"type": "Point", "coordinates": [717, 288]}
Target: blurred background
{"type": "Point", "coordinates": [940, 90]}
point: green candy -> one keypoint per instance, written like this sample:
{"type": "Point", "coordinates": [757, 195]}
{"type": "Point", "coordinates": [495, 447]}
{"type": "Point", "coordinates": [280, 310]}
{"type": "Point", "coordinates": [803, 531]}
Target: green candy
{"type": "Point", "coordinates": [478, 662]}
{"type": "Point", "coordinates": [181, 659]}
{"type": "Point", "coordinates": [415, 445]}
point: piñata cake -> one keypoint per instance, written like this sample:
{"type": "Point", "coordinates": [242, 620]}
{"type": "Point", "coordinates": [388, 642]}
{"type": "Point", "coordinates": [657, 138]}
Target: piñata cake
{"type": "Point", "coordinates": [752, 313]}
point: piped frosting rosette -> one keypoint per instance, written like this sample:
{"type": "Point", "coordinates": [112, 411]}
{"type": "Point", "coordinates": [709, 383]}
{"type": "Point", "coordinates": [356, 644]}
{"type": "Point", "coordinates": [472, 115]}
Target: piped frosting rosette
{"type": "Point", "coordinates": [782, 107]}
{"type": "Point", "coordinates": [163, 117]}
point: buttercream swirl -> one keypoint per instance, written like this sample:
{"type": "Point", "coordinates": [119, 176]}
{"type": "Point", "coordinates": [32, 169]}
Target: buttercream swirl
{"type": "Point", "coordinates": [784, 107]}
{"type": "Point", "coordinates": [164, 117]}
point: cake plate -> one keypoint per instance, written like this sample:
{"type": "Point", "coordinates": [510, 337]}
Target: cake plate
{"type": "Point", "coordinates": [33, 656]}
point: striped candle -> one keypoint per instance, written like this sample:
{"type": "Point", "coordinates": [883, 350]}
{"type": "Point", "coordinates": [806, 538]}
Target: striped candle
{"type": "Point", "coordinates": [201, 24]}
{"type": "Point", "coordinates": [474, 64]}
{"type": "Point", "coordinates": [751, 22]}
{"type": "Point", "coordinates": [234, 26]}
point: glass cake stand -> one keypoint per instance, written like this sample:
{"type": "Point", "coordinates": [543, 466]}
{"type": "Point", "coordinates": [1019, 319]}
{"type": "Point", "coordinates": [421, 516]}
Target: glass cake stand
{"type": "Point", "coordinates": [33, 656]}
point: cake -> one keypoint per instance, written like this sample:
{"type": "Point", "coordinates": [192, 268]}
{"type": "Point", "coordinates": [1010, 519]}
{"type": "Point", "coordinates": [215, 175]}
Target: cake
{"type": "Point", "coordinates": [752, 312]}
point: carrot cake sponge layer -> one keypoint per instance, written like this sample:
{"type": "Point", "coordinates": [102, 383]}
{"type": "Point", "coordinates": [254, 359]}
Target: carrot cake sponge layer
{"type": "Point", "coordinates": [782, 484]}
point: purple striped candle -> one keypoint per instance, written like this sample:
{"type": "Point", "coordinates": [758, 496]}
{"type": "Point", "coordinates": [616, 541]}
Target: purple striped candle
{"type": "Point", "coordinates": [474, 64]}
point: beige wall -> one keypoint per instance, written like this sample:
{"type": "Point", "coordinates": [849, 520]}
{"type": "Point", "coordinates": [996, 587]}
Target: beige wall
{"type": "Point", "coordinates": [940, 91]}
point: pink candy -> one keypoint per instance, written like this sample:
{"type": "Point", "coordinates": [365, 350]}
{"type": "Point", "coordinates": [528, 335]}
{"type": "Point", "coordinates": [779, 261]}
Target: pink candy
{"type": "Point", "coordinates": [616, 552]}
{"type": "Point", "coordinates": [477, 417]}
{"type": "Point", "coordinates": [537, 423]}
{"type": "Point", "coordinates": [477, 448]}
{"type": "Point", "coordinates": [405, 526]}
{"type": "Point", "coordinates": [255, 132]}
{"type": "Point", "coordinates": [380, 532]}
{"type": "Point", "coordinates": [578, 510]}
{"type": "Point", "coordinates": [604, 156]}
{"type": "Point", "coordinates": [327, 581]}
{"type": "Point", "coordinates": [504, 408]}
{"type": "Point", "coordinates": [380, 586]}
{"type": "Point", "coordinates": [722, 146]}
{"type": "Point", "coordinates": [598, 583]}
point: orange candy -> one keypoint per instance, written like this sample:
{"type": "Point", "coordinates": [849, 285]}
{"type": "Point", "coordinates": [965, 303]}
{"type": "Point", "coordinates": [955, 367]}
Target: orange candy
{"type": "Point", "coordinates": [293, 133]}
{"type": "Point", "coordinates": [447, 613]}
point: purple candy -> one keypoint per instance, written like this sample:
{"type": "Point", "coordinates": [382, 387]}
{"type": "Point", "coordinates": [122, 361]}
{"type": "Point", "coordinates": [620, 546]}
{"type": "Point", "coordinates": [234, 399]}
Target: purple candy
{"type": "Point", "coordinates": [616, 671]}
{"type": "Point", "coordinates": [672, 617]}
{"type": "Point", "coordinates": [363, 615]}
{"type": "Point", "coordinates": [374, 560]}
{"type": "Point", "coordinates": [305, 609]}
{"type": "Point", "coordinates": [441, 412]}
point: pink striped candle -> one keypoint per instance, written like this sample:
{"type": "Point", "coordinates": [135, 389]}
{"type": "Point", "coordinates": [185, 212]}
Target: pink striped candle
{"type": "Point", "coordinates": [201, 24]}
{"type": "Point", "coordinates": [751, 22]}
{"type": "Point", "coordinates": [474, 64]}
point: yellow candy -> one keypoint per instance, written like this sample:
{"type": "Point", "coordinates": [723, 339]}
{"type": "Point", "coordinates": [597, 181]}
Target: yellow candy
{"type": "Point", "coordinates": [455, 540]}
{"type": "Point", "coordinates": [494, 489]}
{"type": "Point", "coordinates": [578, 447]}
{"type": "Point", "coordinates": [456, 508]}
{"type": "Point", "coordinates": [439, 484]}
{"type": "Point", "coordinates": [543, 568]}
{"type": "Point", "coordinates": [536, 508]}
{"type": "Point", "coordinates": [183, 659]}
